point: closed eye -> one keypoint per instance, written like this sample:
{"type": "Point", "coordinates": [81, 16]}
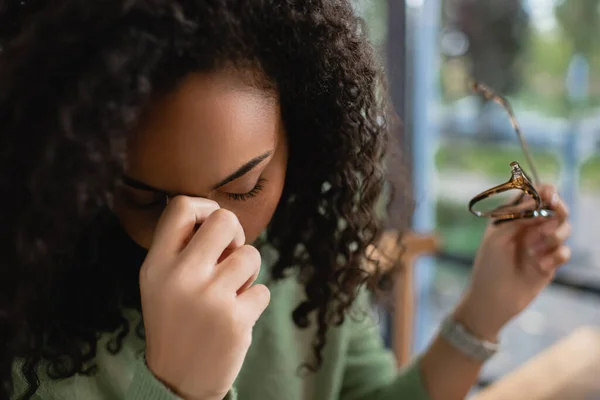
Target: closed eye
{"type": "Point", "coordinates": [250, 194]}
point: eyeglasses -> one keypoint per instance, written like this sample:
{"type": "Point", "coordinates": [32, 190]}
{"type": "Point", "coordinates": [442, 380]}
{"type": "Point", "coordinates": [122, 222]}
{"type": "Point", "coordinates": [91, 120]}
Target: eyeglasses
{"type": "Point", "coordinates": [528, 204]}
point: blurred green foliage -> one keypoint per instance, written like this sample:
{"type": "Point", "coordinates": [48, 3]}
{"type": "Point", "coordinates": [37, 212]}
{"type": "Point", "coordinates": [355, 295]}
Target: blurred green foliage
{"type": "Point", "coordinates": [580, 23]}
{"type": "Point", "coordinates": [461, 231]}
{"type": "Point", "coordinates": [492, 160]}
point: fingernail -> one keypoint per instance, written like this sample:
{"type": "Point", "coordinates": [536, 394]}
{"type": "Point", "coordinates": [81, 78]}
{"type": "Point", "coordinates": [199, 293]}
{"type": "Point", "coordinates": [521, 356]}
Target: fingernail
{"type": "Point", "coordinates": [554, 199]}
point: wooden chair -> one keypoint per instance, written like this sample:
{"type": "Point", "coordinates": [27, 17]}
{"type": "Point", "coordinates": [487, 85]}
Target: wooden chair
{"type": "Point", "coordinates": [413, 246]}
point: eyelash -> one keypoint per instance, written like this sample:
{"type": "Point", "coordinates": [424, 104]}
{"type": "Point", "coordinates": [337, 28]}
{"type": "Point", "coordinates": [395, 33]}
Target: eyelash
{"type": "Point", "coordinates": [248, 195]}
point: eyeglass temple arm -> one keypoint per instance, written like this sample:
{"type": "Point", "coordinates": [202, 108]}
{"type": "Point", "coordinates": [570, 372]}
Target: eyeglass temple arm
{"type": "Point", "coordinates": [490, 95]}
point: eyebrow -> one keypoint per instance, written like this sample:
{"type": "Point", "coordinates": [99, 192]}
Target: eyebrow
{"type": "Point", "coordinates": [243, 170]}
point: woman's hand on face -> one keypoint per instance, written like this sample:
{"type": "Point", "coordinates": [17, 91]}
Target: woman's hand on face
{"type": "Point", "coordinates": [515, 261]}
{"type": "Point", "coordinates": [197, 302]}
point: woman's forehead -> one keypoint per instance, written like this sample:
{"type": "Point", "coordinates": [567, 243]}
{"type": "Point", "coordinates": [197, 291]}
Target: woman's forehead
{"type": "Point", "coordinates": [203, 131]}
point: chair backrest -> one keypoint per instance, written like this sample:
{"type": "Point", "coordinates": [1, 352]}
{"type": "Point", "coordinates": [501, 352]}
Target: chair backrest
{"type": "Point", "coordinates": [412, 246]}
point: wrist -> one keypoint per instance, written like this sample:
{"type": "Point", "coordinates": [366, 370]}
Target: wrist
{"type": "Point", "coordinates": [481, 324]}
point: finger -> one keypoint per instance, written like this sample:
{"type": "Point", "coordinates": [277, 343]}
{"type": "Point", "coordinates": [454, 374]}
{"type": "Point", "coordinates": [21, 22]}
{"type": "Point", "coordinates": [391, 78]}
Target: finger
{"type": "Point", "coordinates": [546, 237]}
{"type": "Point", "coordinates": [550, 262]}
{"type": "Point", "coordinates": [219, 231]}
{"type": "Point", "coordinates": [550, 196]}
{"type": "Point", "coordinates": [240, 269]}
{"type": "Point", "coordinates": [177, 223]}
{"type": "Point", "coordinates": [253, 302]}
{"type": "Point", "coordinates": [554, 238]}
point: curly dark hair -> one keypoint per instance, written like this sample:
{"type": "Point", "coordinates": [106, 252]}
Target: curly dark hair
{"type": "Point", "coordinates": [75, 77]}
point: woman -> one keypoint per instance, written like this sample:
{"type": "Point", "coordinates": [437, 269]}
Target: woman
{"type": "Point", "coordinates": [147, 144]}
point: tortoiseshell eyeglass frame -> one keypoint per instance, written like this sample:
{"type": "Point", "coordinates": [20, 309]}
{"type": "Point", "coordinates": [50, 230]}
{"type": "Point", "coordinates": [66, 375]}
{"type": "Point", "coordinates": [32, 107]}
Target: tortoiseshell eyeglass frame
{"type": "Point", "coordinates": [519, 180]}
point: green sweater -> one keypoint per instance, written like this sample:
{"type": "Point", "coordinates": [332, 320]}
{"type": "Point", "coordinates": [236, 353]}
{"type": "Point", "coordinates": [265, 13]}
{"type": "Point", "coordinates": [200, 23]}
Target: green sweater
{"type": "Point", "coordinates": [356, 366]}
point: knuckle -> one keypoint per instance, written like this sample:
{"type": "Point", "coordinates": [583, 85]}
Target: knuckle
{"type": "Point", "coordinates": [250, 254]}
{"type": "Point", "coordinates": [565, 254]}
{"type": "Point", "coordinates": [568, 229]}
{"type": "Point", "coordinates": [225, 217]}
{"type": "Point", "coordinates": [247, 255]}
{"type": "Point", "coordinates": [263, 293]}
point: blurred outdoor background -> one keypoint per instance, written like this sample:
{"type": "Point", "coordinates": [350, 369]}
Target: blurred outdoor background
{"type": "Point", "coordinates": [544, 55]}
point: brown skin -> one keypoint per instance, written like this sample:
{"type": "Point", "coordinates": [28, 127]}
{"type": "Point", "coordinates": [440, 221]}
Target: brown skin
{"type": "Point", "coordinates": [197, 136]}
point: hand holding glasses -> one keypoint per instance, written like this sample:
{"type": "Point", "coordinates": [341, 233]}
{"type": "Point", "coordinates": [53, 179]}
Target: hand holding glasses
{"type": "Point", "coordinates": [520, 207]}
